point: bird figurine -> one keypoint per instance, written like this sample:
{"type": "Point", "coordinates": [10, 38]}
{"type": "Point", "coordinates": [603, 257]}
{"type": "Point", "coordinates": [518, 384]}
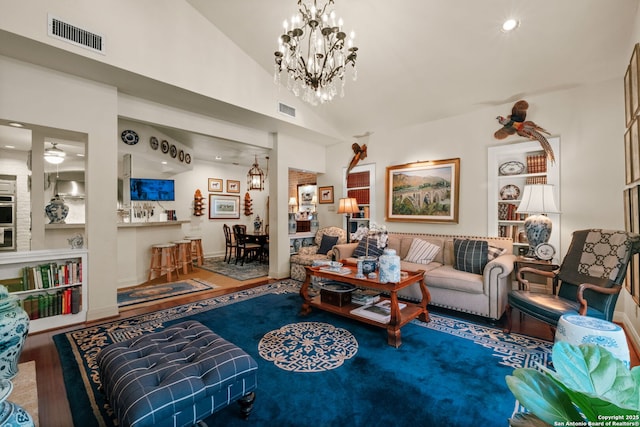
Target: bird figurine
{"type": "Point", "coordinates": [360, 153]}
{"type": "Point", "coordinates": [516, 123]}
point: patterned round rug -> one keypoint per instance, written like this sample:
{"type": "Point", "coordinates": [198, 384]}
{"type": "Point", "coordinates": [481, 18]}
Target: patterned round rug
{"type": "Point", "coordinates": [308, 347]}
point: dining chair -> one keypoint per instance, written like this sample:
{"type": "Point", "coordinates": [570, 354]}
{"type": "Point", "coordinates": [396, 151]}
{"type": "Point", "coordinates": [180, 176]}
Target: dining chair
{"type": "Point", "coordinates": [244, 247]}
{"type": "Point", "coordinates": [587, 282]}
{"type": "Point", "coordinates": [229, 244]}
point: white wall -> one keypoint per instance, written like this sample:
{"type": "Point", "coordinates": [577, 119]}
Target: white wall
{"type": "Point", "coordinates": [34, 95]}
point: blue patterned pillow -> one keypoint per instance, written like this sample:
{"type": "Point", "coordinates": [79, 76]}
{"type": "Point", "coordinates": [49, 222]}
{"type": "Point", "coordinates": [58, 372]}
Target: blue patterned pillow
{"type": "Point", "coordinates": [361, 249]}
{"type": "Point", "coordinates": [470, 255]}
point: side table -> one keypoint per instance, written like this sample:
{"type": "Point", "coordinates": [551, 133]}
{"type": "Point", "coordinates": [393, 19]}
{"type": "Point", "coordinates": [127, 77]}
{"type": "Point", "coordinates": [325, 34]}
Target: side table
{"type": "Point", "coordinates": [537, 283]}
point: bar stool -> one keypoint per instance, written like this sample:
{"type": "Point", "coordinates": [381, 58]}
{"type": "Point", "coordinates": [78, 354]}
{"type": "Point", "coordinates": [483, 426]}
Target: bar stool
{"type": "Point", "coordinates": [196, 249]}
{"type": "Point", "coordinates": [183, 255]}
{"type": "Point", "coordinates": [163, 260]}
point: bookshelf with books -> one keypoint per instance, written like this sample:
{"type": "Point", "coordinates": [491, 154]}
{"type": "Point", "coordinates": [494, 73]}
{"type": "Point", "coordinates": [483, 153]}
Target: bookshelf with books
{"type": "Point", "coordinates": [51, 285]}
{"type": "Point", "coordinates": [359, 185]}
{"type": "Point", "coordinates": [510, 168]}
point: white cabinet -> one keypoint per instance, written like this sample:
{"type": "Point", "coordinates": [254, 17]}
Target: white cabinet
{"type": "Point", "coordinates": [64, 274]}
{"type": "Point", "coordinates": [510, 168]}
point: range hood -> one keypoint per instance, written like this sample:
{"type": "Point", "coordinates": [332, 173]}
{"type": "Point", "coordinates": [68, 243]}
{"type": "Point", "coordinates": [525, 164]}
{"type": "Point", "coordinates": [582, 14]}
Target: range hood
{"type": "Point", "coordinates": [69, 189]}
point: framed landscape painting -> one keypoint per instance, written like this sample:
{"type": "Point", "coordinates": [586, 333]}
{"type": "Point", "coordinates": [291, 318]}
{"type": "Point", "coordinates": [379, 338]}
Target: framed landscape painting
{"type": "Point", "coordinates": [423, 191]}
{"type": "Point", "coordinates": [224, 207]}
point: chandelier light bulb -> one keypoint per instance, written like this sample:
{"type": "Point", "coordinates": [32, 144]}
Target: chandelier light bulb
{"type": "Point", "coordinates": [510, 25]}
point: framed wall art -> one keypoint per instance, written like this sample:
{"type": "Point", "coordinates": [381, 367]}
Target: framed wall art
{"type": "Point", "coordinates": [326, 195]}
{"type": "Point", "coordinates": [215, 185]}
{"type": "Point", "coordinates": [307, 197]}
{"type": "Point", "coordinates": [423, 191]}
{"type": "Point", "coordinates": [233, 186]}
{"type": "Point", "coordinates": [224, 206]}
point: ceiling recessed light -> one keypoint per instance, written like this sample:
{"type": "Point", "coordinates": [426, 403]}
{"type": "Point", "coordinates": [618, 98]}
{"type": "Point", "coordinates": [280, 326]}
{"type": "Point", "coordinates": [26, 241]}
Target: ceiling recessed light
{"type": "Point", "coordinates": [163, 162]}
{"type": "Point", "coordinates": [218, 157]}
{"type": "Point", "coordinates": [510, 25]}
{"type": "Point", "coordinates": [9, 146]}
{"type": "Point", "coordinates": [16, 124]}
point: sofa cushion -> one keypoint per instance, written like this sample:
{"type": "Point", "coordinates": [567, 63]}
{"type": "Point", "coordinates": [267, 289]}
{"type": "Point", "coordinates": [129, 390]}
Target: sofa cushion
{"type": "Point", "coordinates": [470, 255]}
{"type": "Point", "coordinates": [361, 250]}
{"type": "Point", "coordinates": [449, 278]}
{"type": "Point", "coordinates": [494, 252]}
{"type": "Point", "coordinates": [422, 252]}
{"type": "Point", "coordinates": [327, 243]}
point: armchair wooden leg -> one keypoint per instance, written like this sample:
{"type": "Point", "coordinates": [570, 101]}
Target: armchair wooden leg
{"type": "Point", "coordinates": [508, 309]}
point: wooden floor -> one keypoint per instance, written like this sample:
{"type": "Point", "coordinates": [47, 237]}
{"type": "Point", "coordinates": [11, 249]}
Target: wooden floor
{"type": "Point", "coordinates": [53, 406]}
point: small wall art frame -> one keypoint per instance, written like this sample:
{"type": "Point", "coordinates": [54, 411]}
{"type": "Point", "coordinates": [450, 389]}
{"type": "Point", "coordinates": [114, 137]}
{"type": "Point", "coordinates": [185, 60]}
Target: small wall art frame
{"type": "Point", "coordinates": [233, 186]}
{"type": "Point", "coordinates": [326, 195]}
{"type": "Point", "coordinates": [215, 185]}
{"type": "Point", "coordinates": [632, 86]}
{"type": "Point", "coordinates": [423, 191]}
{"type": "Point", "coordinates": [224, 206]}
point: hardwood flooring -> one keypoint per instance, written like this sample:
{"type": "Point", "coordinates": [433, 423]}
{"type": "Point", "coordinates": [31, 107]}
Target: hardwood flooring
{"type": "Point", "coordinates": [53, 406]}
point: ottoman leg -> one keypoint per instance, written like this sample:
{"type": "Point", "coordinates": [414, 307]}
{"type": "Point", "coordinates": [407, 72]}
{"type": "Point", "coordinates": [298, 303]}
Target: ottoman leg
{"type": "Point", "coordinates": [246, 404]}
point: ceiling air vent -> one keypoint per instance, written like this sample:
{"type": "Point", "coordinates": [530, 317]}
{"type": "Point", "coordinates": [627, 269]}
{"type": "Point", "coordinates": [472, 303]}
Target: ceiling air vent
{"type": "Point", "coordinates": [285, 109]}
{"type": "Point", "coordinates": [75, 35]}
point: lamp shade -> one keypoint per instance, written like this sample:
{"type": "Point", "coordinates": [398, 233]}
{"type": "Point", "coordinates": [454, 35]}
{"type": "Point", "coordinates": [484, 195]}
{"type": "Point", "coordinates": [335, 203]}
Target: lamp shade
{"type": "Point", "coordinates": [292, 201]}
{"type": "Point", "coordinates": [537, 199]}
{"type": "Point", "coordinates": [348, 205]}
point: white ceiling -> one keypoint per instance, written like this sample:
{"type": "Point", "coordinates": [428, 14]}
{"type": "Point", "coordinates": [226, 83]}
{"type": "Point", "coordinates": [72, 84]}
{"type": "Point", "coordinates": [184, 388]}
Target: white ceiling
{"type": "Point", "coordinates": [421, 60]}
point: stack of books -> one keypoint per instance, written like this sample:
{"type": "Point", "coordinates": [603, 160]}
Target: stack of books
{"type": "Point", "coordinates": [365, 296]}
{"type": "Point", "coordinates": [380, 312]}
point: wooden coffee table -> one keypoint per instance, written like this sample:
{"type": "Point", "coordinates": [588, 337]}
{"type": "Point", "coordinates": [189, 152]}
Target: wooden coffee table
{"type": "Point", "coordinates": [399, 318]}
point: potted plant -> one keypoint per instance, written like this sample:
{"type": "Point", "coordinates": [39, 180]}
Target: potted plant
{"type": "Point", "coordinates": [379, 232]}
{"type": "Point", "coordinates": [588, 386]}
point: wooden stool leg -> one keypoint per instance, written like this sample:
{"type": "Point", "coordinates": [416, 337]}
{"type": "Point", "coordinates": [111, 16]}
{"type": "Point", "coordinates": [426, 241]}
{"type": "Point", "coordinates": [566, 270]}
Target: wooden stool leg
{"type": "Point", "coordinates": [156, 262]}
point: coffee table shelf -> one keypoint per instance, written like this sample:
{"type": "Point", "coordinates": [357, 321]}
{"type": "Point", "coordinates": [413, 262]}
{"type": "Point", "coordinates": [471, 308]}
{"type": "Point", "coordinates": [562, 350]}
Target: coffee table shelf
{"type": "Point", "coordinates": [399, 317]}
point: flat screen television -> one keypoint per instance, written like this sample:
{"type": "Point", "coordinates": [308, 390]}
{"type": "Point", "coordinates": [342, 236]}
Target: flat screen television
{"type": "Point", "coordinates": [144, 189]}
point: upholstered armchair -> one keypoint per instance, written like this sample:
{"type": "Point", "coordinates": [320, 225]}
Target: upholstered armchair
{"type": "Point", "coordinates": [587, 282]}
{"type": "Point", "coordinates": [322, 250]}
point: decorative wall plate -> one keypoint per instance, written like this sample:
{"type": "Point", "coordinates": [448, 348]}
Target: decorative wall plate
{"type": "Point", "coordinates": [511, 168]}
{"type": "Point", "coordinates": [129, 137]}
{"type": "Point", "coordinates": [173, 151]}
{"type": "Point", "coordinates": [153, 141]}
{"type": "Point", "coordinates": [545, 251]}
{"type": "Point", "coordinates": [509, 192]}
{"type": "Point", "coordinates": [181, 155]}
{"type": "Point", "coordinates": [187, 158]}
{"type": "Point", "coordinates": [164, 146]}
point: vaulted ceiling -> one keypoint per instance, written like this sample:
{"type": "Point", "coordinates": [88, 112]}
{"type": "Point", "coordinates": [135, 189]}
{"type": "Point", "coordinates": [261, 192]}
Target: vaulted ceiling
{"type": "Point", "coordinates": [421, 60]}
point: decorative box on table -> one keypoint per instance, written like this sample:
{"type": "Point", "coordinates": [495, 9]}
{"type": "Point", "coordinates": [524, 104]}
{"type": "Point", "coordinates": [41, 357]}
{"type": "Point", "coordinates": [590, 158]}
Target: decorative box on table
{"type": "Point", "coordinates": [336, 293]}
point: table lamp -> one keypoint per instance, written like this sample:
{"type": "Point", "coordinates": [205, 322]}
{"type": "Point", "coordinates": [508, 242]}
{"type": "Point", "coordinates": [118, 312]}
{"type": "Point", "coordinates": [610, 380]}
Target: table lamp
{"type": "Point", "coordinates": [348, 205]}
{"type": "Point", "coordinates": [537, 200]}
{"type": "Point", "coordinates": [292, 204]}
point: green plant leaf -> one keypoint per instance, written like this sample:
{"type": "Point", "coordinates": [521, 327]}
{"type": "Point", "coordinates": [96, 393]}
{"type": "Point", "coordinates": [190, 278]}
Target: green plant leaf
{"type": "Point", "coordinates": [542, 396]}
{"type": "Point", "coordinates": [526, 420]}
{"type": "Point", "coordinates": [593, 372]}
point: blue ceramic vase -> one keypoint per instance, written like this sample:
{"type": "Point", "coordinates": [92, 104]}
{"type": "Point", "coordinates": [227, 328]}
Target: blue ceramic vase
{"type": "Point", "coordinates": [389, 266]}
{"type": "Point", "coordinates": [56, 210]}
{"type": "Point", "coordinates": [14, 327]}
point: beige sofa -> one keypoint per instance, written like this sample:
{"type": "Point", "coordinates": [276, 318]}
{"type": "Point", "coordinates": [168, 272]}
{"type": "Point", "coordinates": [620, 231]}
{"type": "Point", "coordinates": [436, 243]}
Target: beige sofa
{"type": "Point", "coordinates": [480, 294]}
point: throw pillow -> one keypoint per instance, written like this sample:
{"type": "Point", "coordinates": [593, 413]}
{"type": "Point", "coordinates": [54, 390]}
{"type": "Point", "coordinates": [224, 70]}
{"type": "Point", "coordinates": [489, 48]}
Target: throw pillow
{"type": "Point", "coordinates": [327, 243]}
{"type": "Point", "coordinates": [422, 252]}
{"type": "Point", "coordinates": [494, 252]}
{"type": "Point", "coordinates": [361, 249]}
{"type": "Point", "coordinates": [470, 255]}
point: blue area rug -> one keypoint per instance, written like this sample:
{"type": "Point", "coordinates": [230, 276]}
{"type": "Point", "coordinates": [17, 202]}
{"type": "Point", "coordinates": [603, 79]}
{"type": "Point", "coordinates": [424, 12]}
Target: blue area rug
{"type": "Point", "coordinates": [140, 294]}
{"type": "Point", "coordinates": [325, 370]}
{"type": "Point", "coordinates": [250, 269]}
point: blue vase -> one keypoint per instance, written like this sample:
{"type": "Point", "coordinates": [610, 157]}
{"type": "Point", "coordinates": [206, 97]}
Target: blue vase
{"type": "Point", "coordinates": [56, 210]}
{"type": "Point", "coordinates": [14, 327]}
{"type": "Point", "coordinates": [369, 264]}
{"type": "Point", "coordinates": [12, 415]}
{"type": "Point", "coordinates": [389, 266]}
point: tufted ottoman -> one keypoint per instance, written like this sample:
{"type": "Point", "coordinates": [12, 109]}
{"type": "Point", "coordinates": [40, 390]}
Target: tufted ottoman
{"type": "Point", "coordinates": [175, 377]}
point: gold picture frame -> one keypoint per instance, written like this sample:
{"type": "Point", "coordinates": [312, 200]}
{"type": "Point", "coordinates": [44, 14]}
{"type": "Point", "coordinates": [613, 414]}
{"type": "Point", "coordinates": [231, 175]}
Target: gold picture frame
{"type": "Point", "coordinates": [423, 191]}
{"type": "Point", "coordinates": [215, 185]}
{"type": "Point", "coordinates": [326, 194]}
{"type": "Point", "coordinates": [233, 186]}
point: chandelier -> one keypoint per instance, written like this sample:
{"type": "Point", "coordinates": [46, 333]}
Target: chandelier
{"type": "Point", "coordinates": [315, 67]}
{"type": "Point", "coordinates": [256, 176]}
